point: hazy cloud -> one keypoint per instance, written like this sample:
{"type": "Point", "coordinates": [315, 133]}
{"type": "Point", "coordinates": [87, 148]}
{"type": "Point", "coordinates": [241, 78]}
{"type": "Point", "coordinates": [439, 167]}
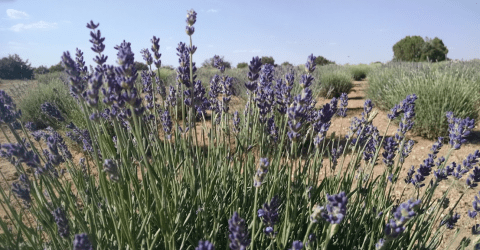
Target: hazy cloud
{"type": "Point", "coordinates": [210, 46]}
{"type": "Point", "coordinates": [38, 25]}
{"type": "Point", "coordinates": [212, 10]}
{"type": "Point", "coordinates": [16, 14]}
{"type": "Point", "coordinates": [239, 51]}
{"type": "Point", "coordinates": [255, 50]}
{"type": "Point", "coordinates": [169, 47]}
{"type": "Point", "coordinates": [7, 1]}
{"type": "Point", "coordinates": [333, 43]}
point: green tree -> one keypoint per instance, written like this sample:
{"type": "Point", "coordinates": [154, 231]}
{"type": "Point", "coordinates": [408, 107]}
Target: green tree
{"type": "Point", "coordinates": [287, 64]}
{"type": "Point", "coordinates": [140, 66]}
{"type": "Point", "coordinates": [434, 50]}
{"type": "Point", "coordinates": [56, 68]}
{"type": "Point", "coordinates": [210, 63]}
{"type": "Point", "coordinates": [320, 60]}
{"type": "Point", "coordinates": [268, 59]}
{"type": "Point", "coordinates": [408, 49]}
{"type": "Point", "coordinates": [41, 70]}
{"type": "Point", "coordinates": [13, 67]}
{"type": "Point", "coordinates": [242, 65]}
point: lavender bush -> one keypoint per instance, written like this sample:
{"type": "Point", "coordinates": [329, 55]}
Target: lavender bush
{"type": "Point", "coordinates": [248, 181]}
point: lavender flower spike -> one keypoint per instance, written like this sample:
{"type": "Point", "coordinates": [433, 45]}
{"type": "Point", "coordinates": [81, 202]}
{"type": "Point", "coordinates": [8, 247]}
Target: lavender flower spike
{"type": "Point", "coordinates": [205, 245]}
{"type": "Point", "coordinates": [62, 222]}
{"type": "Point", "coordinates": [297, 245]}
{"type": "Point", "coordinates": [459, 129]}
{"type": "Point", "coordinates": [81, 242]}
{"type": "Point", "coordinates": [336, 208]}
{"type": "Point", "coordinates": [261, 172]}
{"type": "Point", "coordinates": [238, 233]}
{"type": "Point", "coordinates": [52, 111]}
{"type": "Point", "coordinates": [270, 216]}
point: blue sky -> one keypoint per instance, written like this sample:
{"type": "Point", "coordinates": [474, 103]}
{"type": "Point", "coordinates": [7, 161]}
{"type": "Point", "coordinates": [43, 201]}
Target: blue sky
{"type": "Point", "coordinates": [357, 31]}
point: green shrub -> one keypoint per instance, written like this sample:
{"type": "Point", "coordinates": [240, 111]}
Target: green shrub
{"type": "Point", "coordinates": [333, 84]}
{"type": "Point", "coordinates": [359, 72]}
{"type": "Point", "coordinates": [416, 49]}
{"type": "Point", "coordinates": [50, 88]}
{"type": "Point", "coordinates": [440, 88]}
{"type": "Point", "coordinates": [13, 67]}
{"type": "Point", "coordinates": [141, 66]}
{"type": "Point", "coordinates": [40, 70]}
{"type": "Point", "coordinates": [210, 63]}
{"type": "Point", "coordinates": [242, 65]}
{"type": "Point", "coordinates": [320, 61]}
{"type": "Point", "coordinates": [56, 68]}
{"type": "Point", "coordinates": [268, 59]}
{"type": "Point", "coordinates": [287, 64]}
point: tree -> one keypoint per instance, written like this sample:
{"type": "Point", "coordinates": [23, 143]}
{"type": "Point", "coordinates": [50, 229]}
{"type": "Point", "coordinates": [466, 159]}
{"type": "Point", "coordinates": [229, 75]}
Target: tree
{"type": "Point", "coordinates": [320, 61]}
{"type": "Point", "coordinates": [210, 63]}
{"type": "Point", "coordinates": [13, 67]}
{"type": "Point", "coordinates": [242, 65]}
{"type": "Point", "coordinates": [434, 50]}
{"type": "Point", "coordinates": [268, 59]}
{"type": "Point", "coordinates": [56, 68]}
{"type": "Point", "coordinates": [287, 64]}
{"type": "Point", "coordinates": [140, 66]}
{"type": "Point", "coordinates": [408, 49]}
{"type": "Point", "coordinates": [41, 70]}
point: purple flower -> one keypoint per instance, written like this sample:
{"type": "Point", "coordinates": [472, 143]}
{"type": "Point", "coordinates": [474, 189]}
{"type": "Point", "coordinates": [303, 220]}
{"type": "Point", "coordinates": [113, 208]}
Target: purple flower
{"type": "Point", "coordinates": [166, 123]}
{"type": "Point", "coordinates": [52, 111]}
{"type": "Point", "coordinates": [297, 245]}
{"type": "Point", "coordinates": [98, 46]}
{"type": "Point", "coordinates": [205, 245]}
{"type": "Point", "coordinates": [459, 129]}
{"type": "Point", "coordinates": [191, 17]}
{"type": "Point", "coordinates": [336, 208]}
{"type": "Point", "coordinates": [22, 191]}
{"type": "Point", "coordinates": [238, 233]}
{"type": "Point", "coordinates": [310, 65]}
{"type": "Point", "coordinates": [27, 157]}
{"type": "Point", "coordinates": [81, 242]}
{"type": "Point", "coordinates": [342, 111]}
{"type": "Point", "coordinates": [62, 222]}
{"type": "Point", "coordinates": [261, 172]}
{"type": "Point", "coordinates": [450, 221]}
{"type": "Point", "coordinates": [405, 211]}
{"type": "Point", "coordinates": [390, 147]}
{"type": "Point", "coordinates": [156, 49]}
{"type": "Point", "coordinates": [269, 215]}
{"type": "Point", "coordinates": [476, 229]}
{"type": "Point", "coordinates": [111, 168]}
{"type": "Point", "coordinates": [92, 26]}
{"type": "Point", "coordinates": [322, 122]}
{"type": "Point", "coordinates": [380, 244]}
{"type": "Point", "coordinates": [254, 67]}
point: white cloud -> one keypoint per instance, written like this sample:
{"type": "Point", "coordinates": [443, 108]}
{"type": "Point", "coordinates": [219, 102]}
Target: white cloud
{"type": "Point", "coordinates": [169, 47]}
{"type": "Point", "coordinates": [333, 43]}
{"type": "Point", "coordinates": [16, 14]}
{"type": "Point", "coordinates": [210, 46]}
{"type": "Point", "coordinates": [38, 25]}
{"type": "Point", "coordinates": [255, 50]}
{"type": "Point", "coordinates": [239, 51]}
{"type": "Point", "coordinates": [212, 10]}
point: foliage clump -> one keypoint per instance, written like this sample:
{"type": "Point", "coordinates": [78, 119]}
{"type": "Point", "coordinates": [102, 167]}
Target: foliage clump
{"type": "Point", "coordinates": [209, 63]}
{"type": "Point", "coordinates": [242, 65]}
{"type": "Point", "coordinates": [268, 60]}
{"type": "Point", "coordinates": [320, 61]}
{"type": "Point", "coordinates": [13, 67]}
{"type": "Point", "coordinates": [416, 49]}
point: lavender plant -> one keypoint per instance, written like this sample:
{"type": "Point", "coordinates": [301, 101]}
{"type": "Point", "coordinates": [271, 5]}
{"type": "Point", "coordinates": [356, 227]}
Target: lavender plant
{"type": "Point", "coordinates": [167, 182]}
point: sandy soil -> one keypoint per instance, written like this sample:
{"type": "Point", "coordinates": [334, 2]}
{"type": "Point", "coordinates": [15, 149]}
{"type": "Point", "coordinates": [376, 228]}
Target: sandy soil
{"type": "Point", "coordinates": [340, 127]}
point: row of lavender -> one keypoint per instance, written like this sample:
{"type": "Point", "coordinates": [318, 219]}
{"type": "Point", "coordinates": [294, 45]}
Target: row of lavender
{"type": "Point", "coordinates": [251, 180]}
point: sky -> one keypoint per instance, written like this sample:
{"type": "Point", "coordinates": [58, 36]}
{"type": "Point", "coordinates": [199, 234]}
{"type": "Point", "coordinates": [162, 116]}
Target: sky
{"type": "Point", "coordinates": [349, 31]}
